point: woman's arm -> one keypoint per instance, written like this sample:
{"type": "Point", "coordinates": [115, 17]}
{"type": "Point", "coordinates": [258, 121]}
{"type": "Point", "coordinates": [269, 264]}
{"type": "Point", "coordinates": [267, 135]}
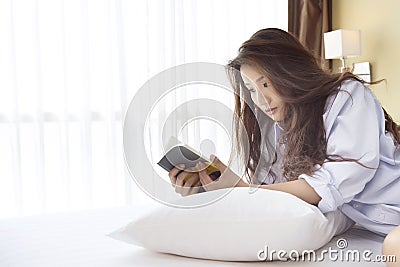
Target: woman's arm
{"type": "Point", "coordinates": [299, 188]}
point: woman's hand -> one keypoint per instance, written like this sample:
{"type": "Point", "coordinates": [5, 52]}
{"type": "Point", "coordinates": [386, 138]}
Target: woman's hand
{"type": "Point", "coordinates": [182, 185]}
{"type": "Point", "coordinates": [227, 179]}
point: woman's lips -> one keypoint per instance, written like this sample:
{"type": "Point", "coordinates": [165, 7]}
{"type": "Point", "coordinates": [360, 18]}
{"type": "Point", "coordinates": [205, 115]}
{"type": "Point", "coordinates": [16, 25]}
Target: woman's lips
{"type": "Point", "coordinates": [271, 110]}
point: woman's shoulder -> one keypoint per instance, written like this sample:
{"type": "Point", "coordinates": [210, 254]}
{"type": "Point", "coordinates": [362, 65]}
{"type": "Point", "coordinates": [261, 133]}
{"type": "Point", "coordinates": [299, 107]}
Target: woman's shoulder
{"type": "Point", "coordinates": [352, 102]}
{"type": "Point", "coordinates": [350, 92]}
{"type": "Point", "coordinates": [353, 86]}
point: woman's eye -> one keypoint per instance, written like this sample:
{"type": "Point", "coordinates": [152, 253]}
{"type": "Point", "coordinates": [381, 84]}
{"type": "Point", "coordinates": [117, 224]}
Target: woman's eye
{"type": "Point", "coordinates": [251, 90]}
{"type": "Point", "coordinates": [265, 85]}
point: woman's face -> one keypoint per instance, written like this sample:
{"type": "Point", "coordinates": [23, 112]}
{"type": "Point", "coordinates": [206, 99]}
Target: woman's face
{"type": "Point", "coordinates": [262, 92]}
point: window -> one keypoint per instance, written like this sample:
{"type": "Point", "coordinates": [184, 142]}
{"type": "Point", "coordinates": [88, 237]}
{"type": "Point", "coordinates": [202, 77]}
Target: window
{"type": "Point", "coordinates": [68, 72]}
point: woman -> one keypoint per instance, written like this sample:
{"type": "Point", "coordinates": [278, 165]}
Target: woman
{"type": "Point", "coordinates": [337, 148]}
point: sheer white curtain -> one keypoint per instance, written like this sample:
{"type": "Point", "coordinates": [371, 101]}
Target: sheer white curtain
{"type": "Point", "coordinates": [68, 70]}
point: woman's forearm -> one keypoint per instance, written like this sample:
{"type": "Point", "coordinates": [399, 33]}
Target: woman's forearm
{"type": "Point", "coordinates": [299, 188]}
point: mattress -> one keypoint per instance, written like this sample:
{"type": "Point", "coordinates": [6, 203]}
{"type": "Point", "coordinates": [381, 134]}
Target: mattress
{"type": "Point", "coordinates": [80, 239]}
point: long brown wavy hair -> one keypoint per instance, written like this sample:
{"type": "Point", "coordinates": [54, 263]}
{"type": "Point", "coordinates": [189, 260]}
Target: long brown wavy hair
{"type": "Point", "coordinates": [304, 87]}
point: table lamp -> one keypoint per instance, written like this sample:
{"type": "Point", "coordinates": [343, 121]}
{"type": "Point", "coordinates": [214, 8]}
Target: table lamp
{"type": "Point", "coordinates": [341, 44]}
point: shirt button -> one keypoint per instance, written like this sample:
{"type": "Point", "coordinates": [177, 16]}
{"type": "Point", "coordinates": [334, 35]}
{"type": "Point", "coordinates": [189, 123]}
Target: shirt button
{"type": "Point", "coordinates": [355, 205]}
{"type": "Point", "coordinates": [382, 216]}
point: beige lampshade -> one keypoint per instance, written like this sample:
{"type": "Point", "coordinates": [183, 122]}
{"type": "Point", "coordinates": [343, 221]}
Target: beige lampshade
{"type": "Point", "coordinates": [342, 43]}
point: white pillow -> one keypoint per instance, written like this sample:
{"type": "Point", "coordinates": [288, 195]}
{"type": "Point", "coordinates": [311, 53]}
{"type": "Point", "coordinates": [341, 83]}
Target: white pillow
{"type": "Point", "coordinates": [237, 227]}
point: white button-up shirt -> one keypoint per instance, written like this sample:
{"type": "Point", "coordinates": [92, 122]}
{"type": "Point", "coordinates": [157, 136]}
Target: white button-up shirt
{"type": "Point", "coordinates": [355, 128]}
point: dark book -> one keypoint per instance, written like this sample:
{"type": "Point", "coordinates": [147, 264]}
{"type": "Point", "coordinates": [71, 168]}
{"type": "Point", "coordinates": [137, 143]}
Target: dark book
{"type": "Point", "coordinates": [183, 154]}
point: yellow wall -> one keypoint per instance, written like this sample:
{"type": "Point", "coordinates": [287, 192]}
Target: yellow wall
{"type": "Point", "coordinates": [379, 22]}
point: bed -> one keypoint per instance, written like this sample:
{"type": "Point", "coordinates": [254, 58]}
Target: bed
{"type": "Point", "coordinates": [80, 239]}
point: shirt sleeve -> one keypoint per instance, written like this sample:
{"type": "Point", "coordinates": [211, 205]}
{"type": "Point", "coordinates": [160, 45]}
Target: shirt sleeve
{"type": "Point", "coordinates": [352, 131]}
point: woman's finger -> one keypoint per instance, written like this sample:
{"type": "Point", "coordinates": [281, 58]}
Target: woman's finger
{"type": "Point", "coordinates": [190, 190]}
{"type": "Point", "coordinates": [180, 178]}
{"type": "Point", "coordinates": [192, 180]}
{"type": "Point", "coordinates": [174, 172]}
{"type": "Point", "coordinates": [195, 189]}
{"type": "Point", "coordinates": [204, 178]}
{"type": "Point", "coordinates": [186, 189]}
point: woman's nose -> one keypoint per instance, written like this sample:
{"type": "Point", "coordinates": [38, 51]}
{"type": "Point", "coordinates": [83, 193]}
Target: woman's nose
{"type": "Point", "coordinates": [263, 99]}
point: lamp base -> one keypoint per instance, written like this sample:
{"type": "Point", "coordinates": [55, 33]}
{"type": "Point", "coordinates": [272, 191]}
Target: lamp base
{"type": "Point", "coordinates": [344, 69]}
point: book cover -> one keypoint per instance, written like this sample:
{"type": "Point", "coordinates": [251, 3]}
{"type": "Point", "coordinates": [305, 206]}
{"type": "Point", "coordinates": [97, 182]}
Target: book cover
{"type": "Point", "coordinates": [180, 153]}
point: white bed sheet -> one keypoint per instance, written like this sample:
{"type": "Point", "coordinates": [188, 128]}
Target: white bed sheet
{"type": "Point", "coordinates": [79, 239]}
